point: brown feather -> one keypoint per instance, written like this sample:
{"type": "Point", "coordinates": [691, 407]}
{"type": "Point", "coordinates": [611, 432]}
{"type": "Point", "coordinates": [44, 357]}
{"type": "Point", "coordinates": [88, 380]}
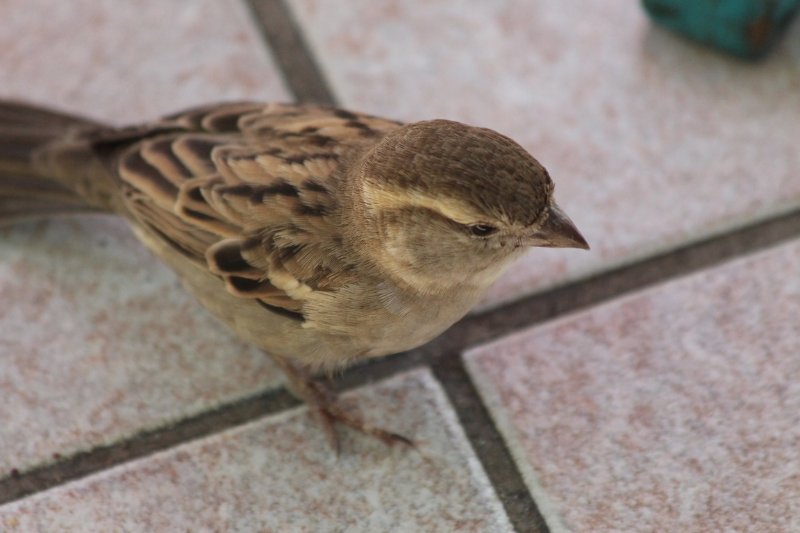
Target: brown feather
{"type": "Point", "coordinates": [244, 188]}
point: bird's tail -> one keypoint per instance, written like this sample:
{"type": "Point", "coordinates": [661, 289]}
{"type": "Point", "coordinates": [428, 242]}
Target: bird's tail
{"type": "Point", "coordinates": [26, 190]}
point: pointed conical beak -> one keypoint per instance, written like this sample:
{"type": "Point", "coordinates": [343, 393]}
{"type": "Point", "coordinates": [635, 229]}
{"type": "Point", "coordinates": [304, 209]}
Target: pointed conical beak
{"type": "Point", "coordinates": [558, 231]}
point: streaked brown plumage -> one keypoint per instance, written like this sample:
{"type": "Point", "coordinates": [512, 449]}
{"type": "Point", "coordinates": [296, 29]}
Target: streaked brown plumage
{"type": "Point", "coordinates": [320, 235]}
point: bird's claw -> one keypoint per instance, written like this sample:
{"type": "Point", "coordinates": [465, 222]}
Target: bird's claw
{"type": "Point", "coordinates": [324, 403]}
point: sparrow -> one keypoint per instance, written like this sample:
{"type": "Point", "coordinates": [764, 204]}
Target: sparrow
{"type": "Point", "coordinates": [320, 235]}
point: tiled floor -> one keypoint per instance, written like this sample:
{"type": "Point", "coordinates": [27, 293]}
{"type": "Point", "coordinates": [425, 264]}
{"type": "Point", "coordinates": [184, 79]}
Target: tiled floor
{"type": "Point", "coordinates": [125, 62]}
{"type": "Point", "coordinates": [675, 409]}
{"type": "Point", "coordinates": [670, 409]}
{"type": "Point", "coordinates": [279, 474]}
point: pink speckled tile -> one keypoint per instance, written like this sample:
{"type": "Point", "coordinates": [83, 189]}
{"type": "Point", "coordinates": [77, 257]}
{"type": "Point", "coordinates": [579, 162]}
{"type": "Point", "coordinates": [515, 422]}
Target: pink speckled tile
{"type": "Point", "coordinates": [86, 354]}
{"type": "Point", "coordinates": [132, 61]}
{"type": "Point", "coordinates": [279, 474]}
{"type": "Point", "coordinates": [674, 409]}
{"type": "Point", "coordinates": [652, 141]}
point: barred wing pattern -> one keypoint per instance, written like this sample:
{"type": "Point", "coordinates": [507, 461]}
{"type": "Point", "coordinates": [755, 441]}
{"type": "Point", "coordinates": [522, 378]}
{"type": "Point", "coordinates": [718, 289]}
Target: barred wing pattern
{"type": "Point", "coordinates": [246, 189]}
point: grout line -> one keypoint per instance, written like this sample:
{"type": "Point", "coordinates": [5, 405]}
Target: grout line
{"type": "Point", "coordinates": [444, 355]}
{"type": "Point", "coordinates": [82, 464]}
{"type": "Point", "coordinates": [284, 39]}
{"type": "Point", "coordinates": [489, 445]}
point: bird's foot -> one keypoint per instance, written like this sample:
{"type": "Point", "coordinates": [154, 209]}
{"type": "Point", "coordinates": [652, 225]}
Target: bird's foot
{"type": "Point", "coordinates": [324, 403]}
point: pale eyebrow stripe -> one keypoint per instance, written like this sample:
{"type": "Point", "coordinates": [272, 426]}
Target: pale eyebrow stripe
{"type": "Point", "coordinates": [393, 198]}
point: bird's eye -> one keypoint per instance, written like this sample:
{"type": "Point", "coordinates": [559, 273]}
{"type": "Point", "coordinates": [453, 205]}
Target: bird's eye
{"type": "Point", "coordinates": [482, 230]}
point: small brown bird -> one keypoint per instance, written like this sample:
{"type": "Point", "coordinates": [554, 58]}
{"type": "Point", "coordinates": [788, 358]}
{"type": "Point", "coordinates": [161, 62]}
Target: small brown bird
{"type": "Point", "coordinates": [320, 235]}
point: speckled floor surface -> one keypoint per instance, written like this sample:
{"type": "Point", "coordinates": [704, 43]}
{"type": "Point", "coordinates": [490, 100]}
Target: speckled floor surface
{"type": "Point", "coordinates": [665, 398]}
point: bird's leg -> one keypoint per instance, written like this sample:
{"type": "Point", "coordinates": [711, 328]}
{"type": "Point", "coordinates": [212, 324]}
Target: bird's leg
{"type": "Point", "coordinates": [323, 401]}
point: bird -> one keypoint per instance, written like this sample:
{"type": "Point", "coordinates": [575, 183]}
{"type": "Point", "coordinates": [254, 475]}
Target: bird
{"type": "Point", "coordinates": [322, 236]}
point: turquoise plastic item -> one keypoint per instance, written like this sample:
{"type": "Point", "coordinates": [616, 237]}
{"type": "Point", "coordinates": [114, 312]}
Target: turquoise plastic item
{"type": "Point", "coordinates": [746, 28]}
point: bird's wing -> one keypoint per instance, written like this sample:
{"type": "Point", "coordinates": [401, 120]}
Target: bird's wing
{"type": "Point", "coordinates": [245, 189]}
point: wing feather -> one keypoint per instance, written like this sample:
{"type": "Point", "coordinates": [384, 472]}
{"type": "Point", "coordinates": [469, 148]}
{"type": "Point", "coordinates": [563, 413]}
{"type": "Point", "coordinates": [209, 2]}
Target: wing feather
{"type": "Point", "coordinates": [247, 190]}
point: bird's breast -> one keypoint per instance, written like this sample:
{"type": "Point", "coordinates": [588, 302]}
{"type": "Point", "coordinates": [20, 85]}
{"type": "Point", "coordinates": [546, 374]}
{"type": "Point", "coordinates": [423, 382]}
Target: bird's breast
{"type": "Point", "coordinates": [386, 319]}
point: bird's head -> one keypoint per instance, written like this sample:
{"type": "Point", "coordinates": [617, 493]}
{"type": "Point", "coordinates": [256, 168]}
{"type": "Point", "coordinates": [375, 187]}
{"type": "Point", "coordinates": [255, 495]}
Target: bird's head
{"type": "Point", "coordinates": [447, 204]}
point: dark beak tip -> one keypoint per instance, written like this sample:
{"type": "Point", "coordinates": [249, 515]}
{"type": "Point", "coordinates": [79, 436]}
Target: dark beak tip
{"type": "Point", "coordinates": [577, 244]}
{"type": "Point", "coordinates": [582, 244]}
{"type": "Point", "coordinates": [563, 232]}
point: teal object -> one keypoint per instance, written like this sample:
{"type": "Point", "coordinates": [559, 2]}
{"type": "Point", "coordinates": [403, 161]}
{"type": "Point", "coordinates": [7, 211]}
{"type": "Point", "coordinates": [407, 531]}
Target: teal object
{"type": "Point", "coordinates": [746, 28]}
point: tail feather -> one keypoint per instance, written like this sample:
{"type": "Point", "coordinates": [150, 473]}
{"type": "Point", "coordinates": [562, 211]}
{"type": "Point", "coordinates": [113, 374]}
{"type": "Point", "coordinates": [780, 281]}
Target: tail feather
{"type": "Point", "coordinates": [24, 191]}
{"type": "Point", "coordinates": [24, 114]}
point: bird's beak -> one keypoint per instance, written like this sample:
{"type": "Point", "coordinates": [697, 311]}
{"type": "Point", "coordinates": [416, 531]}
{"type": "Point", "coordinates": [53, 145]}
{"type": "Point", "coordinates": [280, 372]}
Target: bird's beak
{"type": "Point", "coordinates": [558, 231]}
